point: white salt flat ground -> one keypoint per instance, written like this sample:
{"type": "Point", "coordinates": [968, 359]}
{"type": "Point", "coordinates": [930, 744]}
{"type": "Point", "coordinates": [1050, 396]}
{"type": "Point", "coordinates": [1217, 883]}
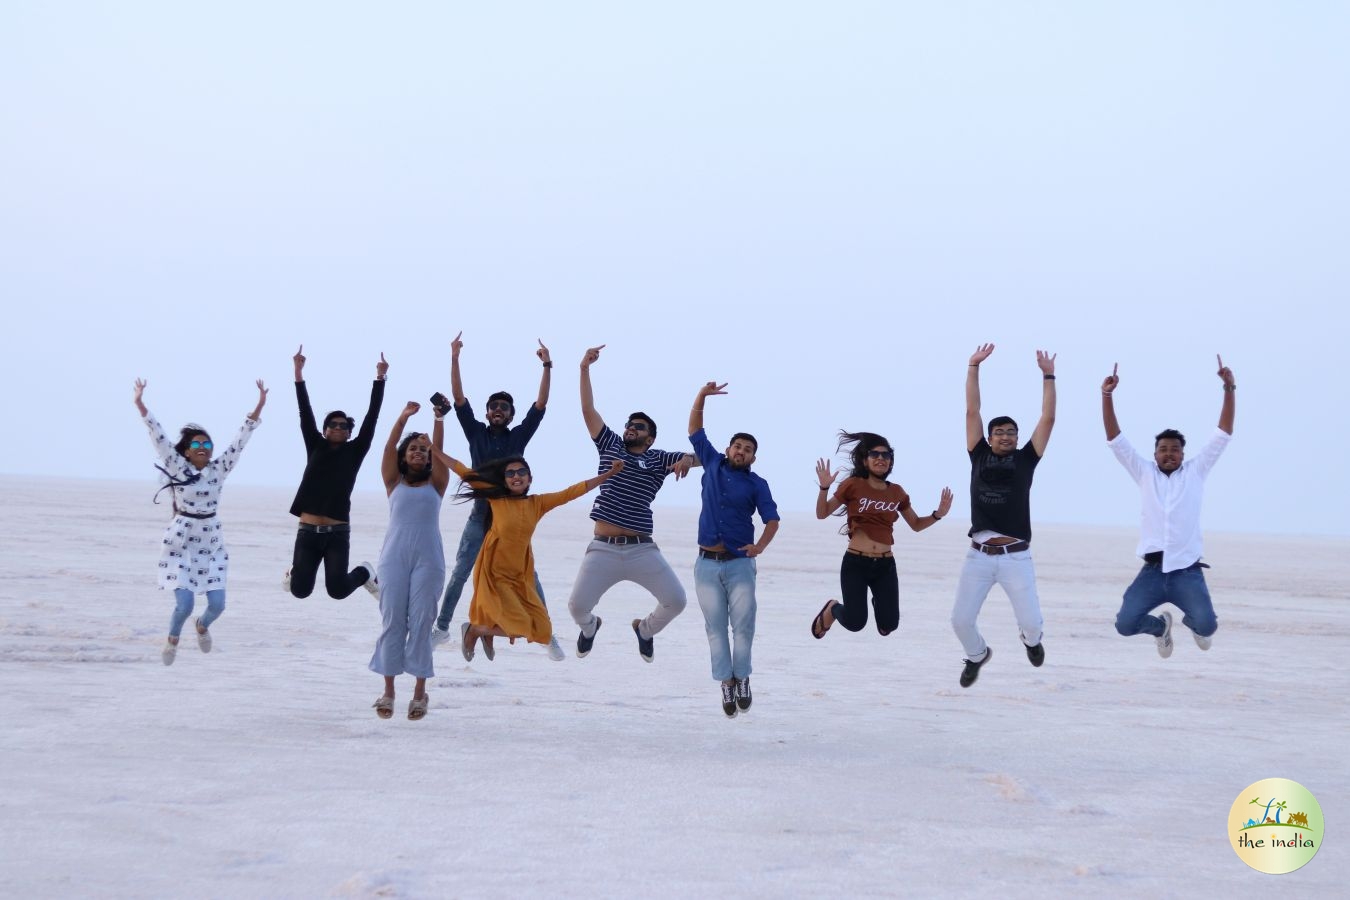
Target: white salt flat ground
{"type": "Point", "coordinates": [862, 770]}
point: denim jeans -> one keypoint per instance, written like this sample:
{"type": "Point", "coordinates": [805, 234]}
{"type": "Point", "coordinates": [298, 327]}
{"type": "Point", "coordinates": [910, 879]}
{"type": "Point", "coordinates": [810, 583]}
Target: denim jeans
{"type": "Point", "coordinates": [1185, 589]}
{"type": "Point", "coordinates": [1017, 574]}
{"type": "Point", "coordinates": [470, 542]}
{"type": "Point", "coordinates": [726, 594]}
{"type": "Point", "coordinates": [184, 600]}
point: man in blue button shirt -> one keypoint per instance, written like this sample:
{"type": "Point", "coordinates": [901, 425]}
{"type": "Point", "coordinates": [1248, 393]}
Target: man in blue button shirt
{"type": "Point", "coordinates": [724, 575]}
{"type": "Point", "coordinates": [490, 439]}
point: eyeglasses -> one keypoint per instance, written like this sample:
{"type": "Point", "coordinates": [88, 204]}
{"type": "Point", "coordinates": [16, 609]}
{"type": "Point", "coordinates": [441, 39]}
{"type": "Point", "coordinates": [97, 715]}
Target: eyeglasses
{"type": "Point", "coordinates": [1004, 432]}
{"type": "Point", "coordinates": [635, 426]}
{"type": "Point", "coordinates": [880, 454]}
{"type": "Point", "coordinates": [339, 426]}
{"type": "Point", "coordinates": [499, 406]}
{"type": "Point", "coordinates": [522, 472]}
{"type": "Point", "coordinates": [201, 445]}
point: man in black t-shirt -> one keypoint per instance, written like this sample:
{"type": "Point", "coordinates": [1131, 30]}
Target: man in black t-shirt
{"type": "Point", "coordinates": [1000, 517]}
{"type": "Point", "coordinates": [323, 501]}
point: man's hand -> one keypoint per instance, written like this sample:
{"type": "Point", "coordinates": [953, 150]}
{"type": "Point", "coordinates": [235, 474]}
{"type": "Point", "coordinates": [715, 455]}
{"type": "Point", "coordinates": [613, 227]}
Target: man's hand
{"type": "Point", "coordinates": [456, 345]}
{"type": "Point", "coordinates": [1109, 383]}
{"type": "Point", "coordinates": [299, 360]}
{"type": "Point", "coordinates": [681, 468]}
{"type": "Point", "coordinates": [542, 353]}
{"type": "Point", "coordinates": [381, 367]}
{"type": "Point", "coordinates": [1225, 373]}
{"type": "Point", "coordinates": [1046, 362]}
{"type": "Point", "coordinates": [981, 354]}
{"type": "Point", "coordinates": [591, 356]}
{"type": "Point", "coordinates": [710, 389]}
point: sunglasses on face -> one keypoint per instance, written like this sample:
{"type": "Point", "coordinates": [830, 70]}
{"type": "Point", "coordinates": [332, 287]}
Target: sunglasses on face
{"type": "Point", "coordinates": [201, 445]}
{"type": "Point", "coordinates": [635, 426]}
{"type": "Point", "coordinates": [521, 472]}
{"type": "Point", "coordinates": [499, 406]}
{"type": "Point", "coordinates": [1004, 432]}
{"type": "Point", "coordinates": [339, 426]}
{"type": "Point", "coordinates": [880, 454]}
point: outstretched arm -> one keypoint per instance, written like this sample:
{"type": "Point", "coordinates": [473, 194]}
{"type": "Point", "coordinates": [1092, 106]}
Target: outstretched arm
{"type": "Point", "coordinates": [440, 475]}
{"type": "Point", "coordinates": [614, 469]}
{"type": "Point", "coordinates": [256, 415]}
{"type": "Point", "coordinates": [975, 424]}
{"type": "Point", "coordinates": [710, 389]}
{"type": "Point", "coordinates": [389, 460]}
{"type": "Point", "coordinates": [1229, 408]}
{"type": "Point", "coordinates": [1041, 436]}
{"type": "Point", "coordinates": [136, 398]}
{"type": "Point", "coordinates": [545, 380]}
{"type": "Point", "coordinates": [456, 386]}
{"type": "Point", "coordinates": [1109, 385]}
{"type": "Point", "coordinates": [917, 522]}
{"type": "Point", "coordinates": [594, 423]}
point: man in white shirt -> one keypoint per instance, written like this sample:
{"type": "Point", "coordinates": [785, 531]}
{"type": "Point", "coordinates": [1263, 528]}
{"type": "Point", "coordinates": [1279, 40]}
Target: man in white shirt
{"type": "Point", "coordinates": [1171, 488]}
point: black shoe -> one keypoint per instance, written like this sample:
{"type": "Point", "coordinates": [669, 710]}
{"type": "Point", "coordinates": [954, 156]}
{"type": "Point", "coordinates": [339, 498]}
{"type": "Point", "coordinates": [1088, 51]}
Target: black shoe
{"type": "Point", "coordinates": [972, 669]}
{"type": "Point", "coordinates": [646, 646]}
{"type": "Point", "coordinates": [584, 643]}
{"type": "Point", "coordinates": [729, 698]}
{"type": "Point", "coordinates": [743, 693]}
{"type": "Point", "coordinates": [1036, 654]}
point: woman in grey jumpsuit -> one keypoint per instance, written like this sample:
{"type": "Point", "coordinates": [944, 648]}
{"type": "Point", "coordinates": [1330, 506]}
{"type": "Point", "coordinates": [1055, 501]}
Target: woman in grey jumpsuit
{"type": "Point", "coordinates": [412, 561]}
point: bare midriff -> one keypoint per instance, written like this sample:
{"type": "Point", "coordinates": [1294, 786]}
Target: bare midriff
{"type": "Point", "coordinates": [864, 544]}
{"type": "Point", "coordinates": [608, 529]}
{"type": "Point", "coordinates": [312, 519]}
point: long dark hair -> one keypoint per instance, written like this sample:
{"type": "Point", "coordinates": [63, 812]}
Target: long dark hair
{"type": "Point", "coordinates": [862, 442]}
{"type": "Point", "coordinates": [491, 478]}
{"type": "Point", "coordinates": [417, 477]}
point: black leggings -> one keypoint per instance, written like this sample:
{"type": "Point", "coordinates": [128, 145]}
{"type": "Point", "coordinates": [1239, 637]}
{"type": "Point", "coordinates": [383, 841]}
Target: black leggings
{"type": "Point", "coordinates": [857, 575]}
{"type": "Point", "coordinates": [331, 548]}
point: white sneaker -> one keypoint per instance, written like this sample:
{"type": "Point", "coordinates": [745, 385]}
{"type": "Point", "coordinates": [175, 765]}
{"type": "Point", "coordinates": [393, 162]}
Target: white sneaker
{"type": "Point", "coordinates": [373, 583]}
{"type": "Point", "coordinates": [555, 651]}
{"type": "Point", "coordinates": [286, 580]}
{"type": "Point", "coordinates": [203, 636]}
{"type": "Point", "coordinates": [1165, 639]}
{"type": "Point", "coordinates": [439, 635]}
{"type": "Point", "coordinates": [169, 652]}
{"type": "Point", "coordinates": [1204, 642]}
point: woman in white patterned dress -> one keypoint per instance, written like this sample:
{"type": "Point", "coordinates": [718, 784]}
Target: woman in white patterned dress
{"type": "Point", "coordinates": [193, 559]}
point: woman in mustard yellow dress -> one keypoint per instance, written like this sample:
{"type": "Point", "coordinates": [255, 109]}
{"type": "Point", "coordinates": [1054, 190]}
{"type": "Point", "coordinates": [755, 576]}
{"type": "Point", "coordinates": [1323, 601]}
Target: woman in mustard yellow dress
{"type": "Point", "coordinates": [505, 603]}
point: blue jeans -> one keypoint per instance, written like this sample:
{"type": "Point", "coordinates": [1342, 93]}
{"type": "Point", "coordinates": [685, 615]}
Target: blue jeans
{"type": "Point", "coordinates": [184, 600]}
{"type": "Point", "coordinates": [470, 542]}
{"type": "Point", "coordinates": [726, 594]}
{"type": "Point", "coordinates": [1185, 589]}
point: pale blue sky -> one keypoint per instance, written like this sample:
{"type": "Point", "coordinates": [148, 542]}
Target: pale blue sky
{"type": "Point", "coordinates": [827, 205]}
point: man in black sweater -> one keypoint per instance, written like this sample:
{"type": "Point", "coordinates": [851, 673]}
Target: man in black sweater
{"type": "Point", "coordinates": [324, 500]}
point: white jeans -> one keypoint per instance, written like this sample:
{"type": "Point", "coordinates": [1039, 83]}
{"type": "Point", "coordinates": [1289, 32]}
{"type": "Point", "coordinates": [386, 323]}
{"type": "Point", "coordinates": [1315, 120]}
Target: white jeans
{"type": "Point", "coordinates": [1017, 574]}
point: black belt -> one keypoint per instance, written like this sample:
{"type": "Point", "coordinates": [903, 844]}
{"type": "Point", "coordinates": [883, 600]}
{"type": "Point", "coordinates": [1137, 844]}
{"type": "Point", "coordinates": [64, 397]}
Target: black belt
{"type": "Point", "coordinates": [324, 529]}
{"type": "Point", "coordinates": [1000, 549]}
{"type": "Point", "coordinates": [719, 555]}
{"type": "Point", "coordinates": [626, 538]}
{"type": "Point", "coordinates": [885, 554]}
{"type": "Point", "coordinates": [197, 515]}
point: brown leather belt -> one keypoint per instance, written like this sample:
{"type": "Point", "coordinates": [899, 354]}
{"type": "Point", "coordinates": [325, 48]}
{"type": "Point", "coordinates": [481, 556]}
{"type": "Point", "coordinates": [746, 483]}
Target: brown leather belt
{"type": "Point", "coordinates": [1001, 549]}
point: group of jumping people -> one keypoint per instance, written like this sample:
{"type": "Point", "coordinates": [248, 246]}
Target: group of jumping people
{"type": "Point", "coordinates": [417, 605]}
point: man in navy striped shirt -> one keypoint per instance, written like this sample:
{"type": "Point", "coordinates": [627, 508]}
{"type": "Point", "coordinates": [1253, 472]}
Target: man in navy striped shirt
{"type": "Point", "coordinates": [623, 548]}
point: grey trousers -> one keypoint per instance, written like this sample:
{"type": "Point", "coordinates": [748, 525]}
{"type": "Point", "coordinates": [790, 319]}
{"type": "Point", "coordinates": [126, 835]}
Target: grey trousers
{"type": "Point", "coordinates": [605, 565]}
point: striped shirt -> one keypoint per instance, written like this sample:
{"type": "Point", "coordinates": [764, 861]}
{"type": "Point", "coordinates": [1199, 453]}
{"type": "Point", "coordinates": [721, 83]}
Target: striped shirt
{"type": "Point", "coordinates": [626, 499]}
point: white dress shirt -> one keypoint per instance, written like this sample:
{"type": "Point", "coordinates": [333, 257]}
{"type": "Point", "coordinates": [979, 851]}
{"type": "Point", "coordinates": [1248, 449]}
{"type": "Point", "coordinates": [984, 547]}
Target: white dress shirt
{"type": "Point", "coordinates": [1170, 518]}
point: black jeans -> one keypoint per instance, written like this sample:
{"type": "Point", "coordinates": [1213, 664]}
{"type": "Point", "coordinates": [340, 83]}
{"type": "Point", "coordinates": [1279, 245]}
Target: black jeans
{"type": "Point", "coordinates": [858, 575]}
{"type": "Point", "coordinates": [332, 548]}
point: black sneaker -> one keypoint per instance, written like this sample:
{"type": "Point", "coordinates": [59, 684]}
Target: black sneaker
{"type": "Point", "coordinates": [729, 698]}
{"type": "Point", "coordinates": [584, 643]}
{"type": "Point", "coordinates": [743, 693]}
{"type": "Point", "coordinates": [646, 646]}
{"type": "Point", "coordinates": [1036, 654]}
{"type": "Point", "coordinates": [972, 669]}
